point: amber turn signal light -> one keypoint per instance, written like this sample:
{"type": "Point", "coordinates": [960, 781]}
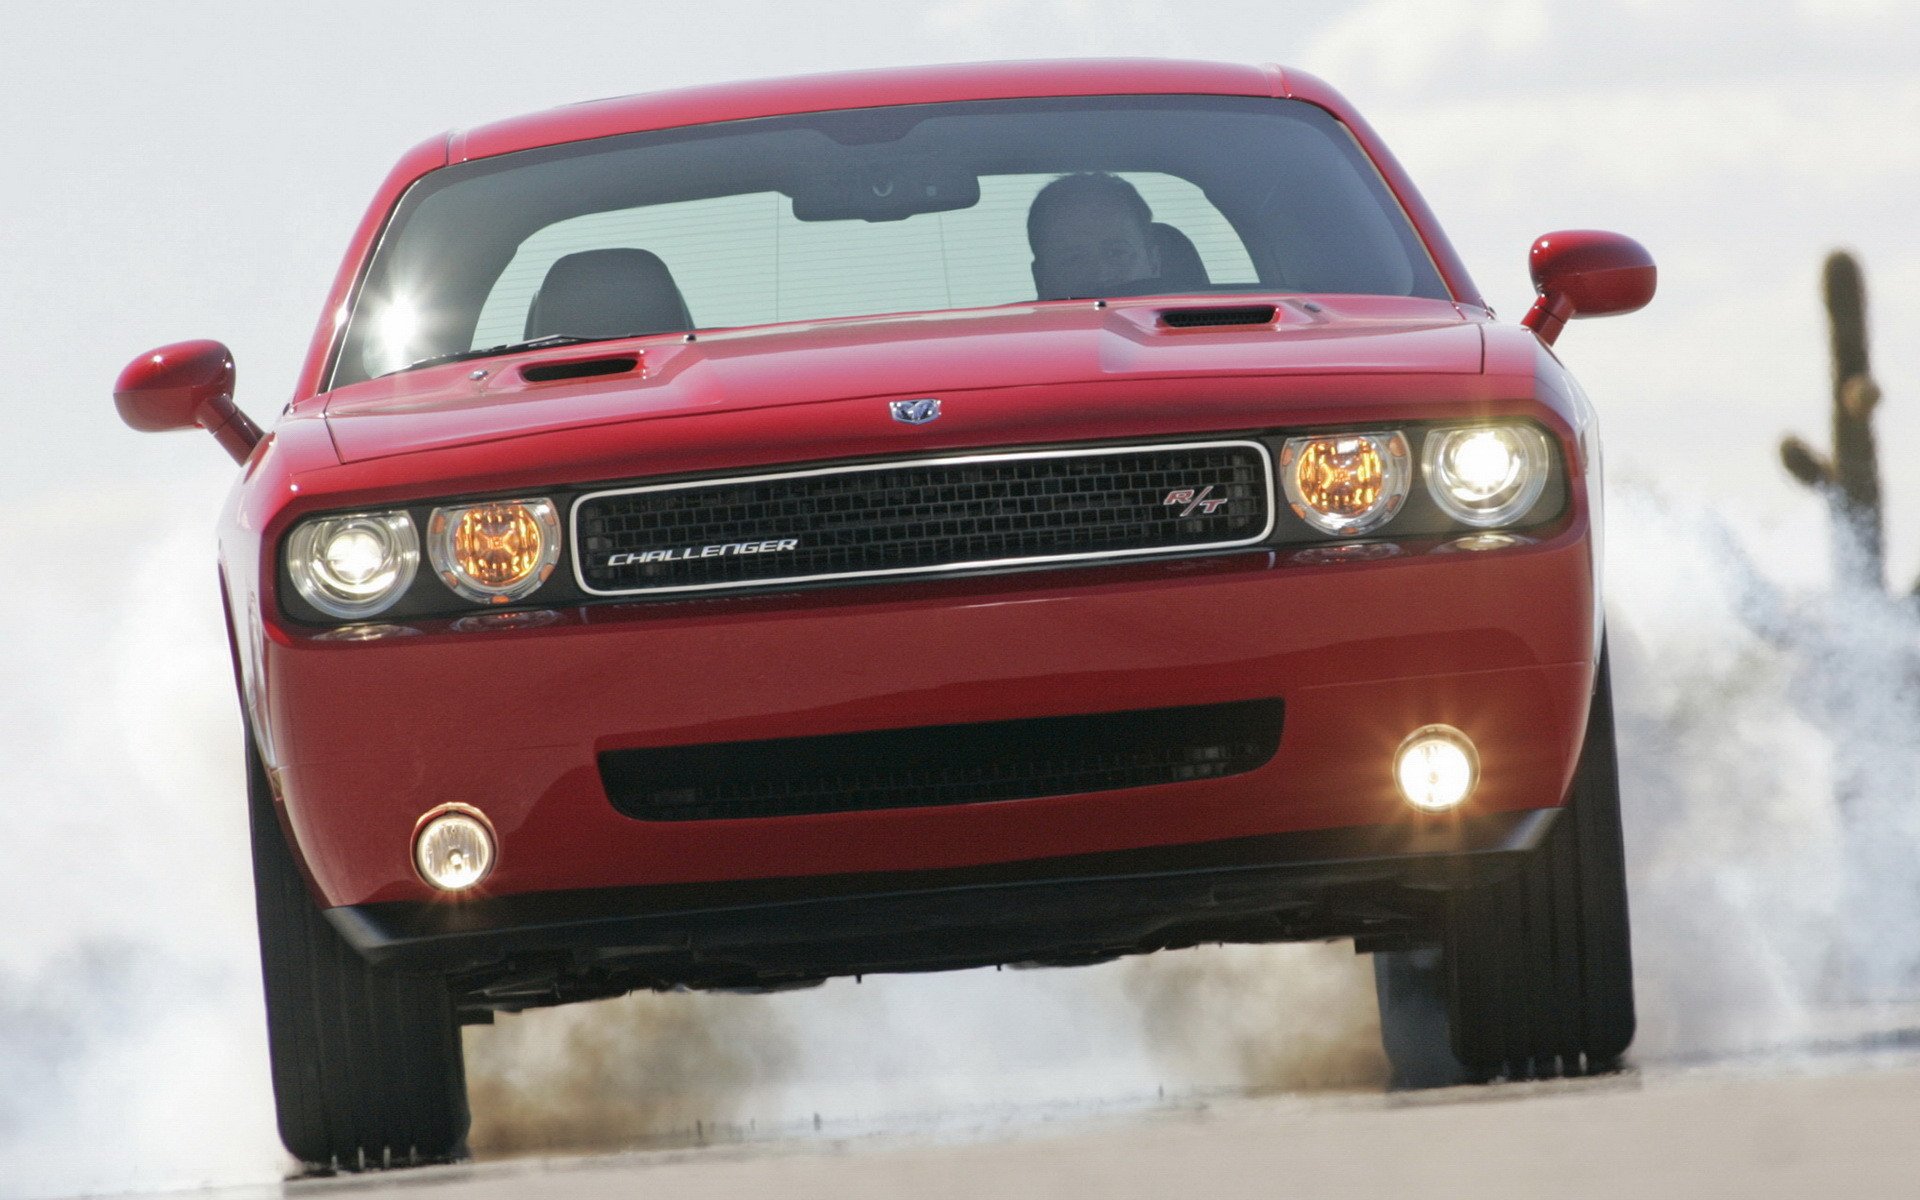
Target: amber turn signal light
{"type": "Point", "coordinates": [1345, 483]}
{"type": "Point", "coordinates": [495, 553]}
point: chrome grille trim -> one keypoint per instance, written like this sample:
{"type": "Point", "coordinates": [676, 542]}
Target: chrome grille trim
{"type": "Point", "coordinates": [1266, 478]}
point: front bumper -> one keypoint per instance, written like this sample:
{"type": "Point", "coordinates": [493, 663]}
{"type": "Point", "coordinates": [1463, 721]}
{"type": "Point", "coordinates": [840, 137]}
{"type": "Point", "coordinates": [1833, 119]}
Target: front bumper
{"type": "Point", "coordinates": [363, 737]}
{"type": "Point", "coordinates": [1370, 882]}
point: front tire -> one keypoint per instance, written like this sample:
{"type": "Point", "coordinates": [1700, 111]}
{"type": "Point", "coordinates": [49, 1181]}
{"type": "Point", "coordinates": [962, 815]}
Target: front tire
{"type": "Point", "coordinates": [1533, 977]}
{"type": "Point", "coordinates": [367, 1064]}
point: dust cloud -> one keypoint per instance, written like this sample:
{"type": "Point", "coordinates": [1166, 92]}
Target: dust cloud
{"type": "Point", "coordinates": [1261, 1018]}
{"type": "Point", "coordinates": [617, 1073]}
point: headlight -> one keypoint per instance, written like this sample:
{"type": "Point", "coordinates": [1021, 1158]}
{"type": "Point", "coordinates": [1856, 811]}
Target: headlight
{"type": "Point", "coordinates": [355, 565]}
{"type": "Point", "coordinates": [1486, 475]}
{"type": "Point", "coordinates": [1345, 483]}
{"type": "Point", "coordinates": [495, 553]}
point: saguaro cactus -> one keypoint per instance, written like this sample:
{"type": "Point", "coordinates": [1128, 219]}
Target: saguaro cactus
{"type": "Point", "coordinates": [1850, 479]}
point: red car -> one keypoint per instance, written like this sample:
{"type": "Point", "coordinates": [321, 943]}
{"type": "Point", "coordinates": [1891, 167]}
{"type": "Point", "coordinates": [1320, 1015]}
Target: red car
{"type": "Point", "coordinates": [914, 520]}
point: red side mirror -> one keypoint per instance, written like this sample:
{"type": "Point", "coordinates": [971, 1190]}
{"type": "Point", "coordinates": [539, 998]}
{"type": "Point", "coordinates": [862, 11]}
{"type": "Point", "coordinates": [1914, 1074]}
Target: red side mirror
{"type": "Point", "coordinates": [1586, 273]}
{"type": "Point", "coordinates": [184, 386]}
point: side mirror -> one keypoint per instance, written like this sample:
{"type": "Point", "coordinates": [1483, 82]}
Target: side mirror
{"type": "Point", "coordinates": [1586, 273]}
{"type": "Point", "coordinates": [184, 386]}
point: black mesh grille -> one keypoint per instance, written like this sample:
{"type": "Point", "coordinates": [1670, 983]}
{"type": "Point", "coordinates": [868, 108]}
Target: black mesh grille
{"type": "Point", "coordinates": [927, 515]}
{"type": "Point", "coordinates": [943, 764]}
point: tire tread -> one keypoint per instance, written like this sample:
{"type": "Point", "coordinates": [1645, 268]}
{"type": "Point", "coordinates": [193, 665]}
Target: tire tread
{"type": "Point", "coordinates": [366, 1064]}
{"type": "Point", "coordinates": [1536, 970]}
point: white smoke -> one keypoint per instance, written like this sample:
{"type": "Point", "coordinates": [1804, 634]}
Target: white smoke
{"type": "Point", "coordinates": [131, 1040]}
{"type": "Point", "coordinates": [1764, 905]}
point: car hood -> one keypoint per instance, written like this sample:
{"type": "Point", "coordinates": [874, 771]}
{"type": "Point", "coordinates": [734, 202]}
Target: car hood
{"type": "Point", "coordinates": [493, 399]}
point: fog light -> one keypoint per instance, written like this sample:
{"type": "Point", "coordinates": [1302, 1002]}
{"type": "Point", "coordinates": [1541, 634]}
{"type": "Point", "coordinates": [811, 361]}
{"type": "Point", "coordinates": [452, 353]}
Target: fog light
{"type": "Point", "coordinates": [453, 847]}
{"type": "Point", "coordinates": [1436, 768]}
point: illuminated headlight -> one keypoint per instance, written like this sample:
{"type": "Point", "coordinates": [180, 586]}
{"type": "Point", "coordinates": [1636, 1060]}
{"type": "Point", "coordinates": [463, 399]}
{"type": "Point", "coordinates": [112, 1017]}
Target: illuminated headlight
{"type": "Point", "coordinates": [1436, 768]}
{"type": "Point", "coordinates": [453, 848]}
{"type": "Point", "coordinates": [1345, 483]}
{"type": "Point", "coordinates": [1486, 475]}
{"type": "Point", "coordinates": [495, 553]}
{"type": "Point", "coordinates": [355, 565]}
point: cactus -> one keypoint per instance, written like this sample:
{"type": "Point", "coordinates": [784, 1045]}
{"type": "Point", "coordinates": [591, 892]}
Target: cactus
{"type": "Point", "coordinates": [1850, 479]}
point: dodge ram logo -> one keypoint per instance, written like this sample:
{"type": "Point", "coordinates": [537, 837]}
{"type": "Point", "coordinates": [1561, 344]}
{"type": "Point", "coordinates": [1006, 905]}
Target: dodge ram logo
{"type": "Point", "coordinates": [1195, 501]}
{"type": "Point", "coordinates": [914, 412]}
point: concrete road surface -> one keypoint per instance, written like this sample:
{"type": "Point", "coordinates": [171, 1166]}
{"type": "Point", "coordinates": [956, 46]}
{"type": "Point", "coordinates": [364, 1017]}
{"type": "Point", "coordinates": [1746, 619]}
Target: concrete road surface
{"type": "Point", "coordinates": [1839, 1124]}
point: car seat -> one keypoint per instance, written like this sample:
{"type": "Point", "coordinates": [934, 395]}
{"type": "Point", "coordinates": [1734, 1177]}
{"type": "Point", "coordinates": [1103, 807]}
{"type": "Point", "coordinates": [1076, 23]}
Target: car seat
{"type": "Point", "coordinates": [1180, 267]}
{"type": "Point", "coordinates": [609, 293]}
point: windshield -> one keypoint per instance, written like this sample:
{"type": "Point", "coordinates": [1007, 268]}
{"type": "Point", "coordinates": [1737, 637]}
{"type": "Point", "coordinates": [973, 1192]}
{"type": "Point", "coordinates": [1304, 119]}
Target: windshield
{"type": "Point", "coordinates": [912, 208]}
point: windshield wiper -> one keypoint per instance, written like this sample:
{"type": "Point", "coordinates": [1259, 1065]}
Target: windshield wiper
{"type": "Point", "coordinates": [539, 343]}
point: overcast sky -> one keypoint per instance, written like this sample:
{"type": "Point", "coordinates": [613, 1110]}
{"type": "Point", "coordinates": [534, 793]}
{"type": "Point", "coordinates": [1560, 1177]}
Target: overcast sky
{"type": "Point", "coordinates": [176, 171]}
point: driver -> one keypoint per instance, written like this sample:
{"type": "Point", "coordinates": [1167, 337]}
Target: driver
{"type": "Point", "coordinates": [1091, 236]}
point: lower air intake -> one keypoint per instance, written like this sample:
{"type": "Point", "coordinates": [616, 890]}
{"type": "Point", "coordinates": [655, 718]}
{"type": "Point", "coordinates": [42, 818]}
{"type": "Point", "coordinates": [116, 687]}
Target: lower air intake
{"type": "Point", "coordinates": [940, 765]}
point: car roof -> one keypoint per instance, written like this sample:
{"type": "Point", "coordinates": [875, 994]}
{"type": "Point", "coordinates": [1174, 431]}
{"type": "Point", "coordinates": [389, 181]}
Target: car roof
{"type": "Point", "coordinates": [863, 89]}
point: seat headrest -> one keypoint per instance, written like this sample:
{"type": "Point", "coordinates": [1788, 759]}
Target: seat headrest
{"type": "Point", "coordinates": [1180, 267]}
{"type": "Point", "coordinates": [608, 293]}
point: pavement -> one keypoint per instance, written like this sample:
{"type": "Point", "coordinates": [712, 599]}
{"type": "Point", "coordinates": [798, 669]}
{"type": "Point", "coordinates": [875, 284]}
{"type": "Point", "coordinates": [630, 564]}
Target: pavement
{"type": "Point", "coordinates": [1840, 1119]}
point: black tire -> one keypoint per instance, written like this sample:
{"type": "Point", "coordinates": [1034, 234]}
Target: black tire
{"type": "Point", "coordinates": [367, 1065]}
{"type": "Point", "coordinates": [1533, 977]}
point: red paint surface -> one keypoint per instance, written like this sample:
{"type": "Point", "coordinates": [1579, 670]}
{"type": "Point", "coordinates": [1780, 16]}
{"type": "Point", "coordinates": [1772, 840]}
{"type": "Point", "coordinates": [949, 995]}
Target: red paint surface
{"type": "Point", "coordinates": [364, 737]}
{"type": "Point", "coordinates": [1058, 345]}
{"type": "Point", "coordinates": [376, 733]}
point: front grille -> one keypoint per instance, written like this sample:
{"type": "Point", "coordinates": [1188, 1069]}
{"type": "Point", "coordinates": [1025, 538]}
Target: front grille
{"type": "Point", "coordinates": [942, 514]}
{"type": "Point", "coordinates": [942, 764]}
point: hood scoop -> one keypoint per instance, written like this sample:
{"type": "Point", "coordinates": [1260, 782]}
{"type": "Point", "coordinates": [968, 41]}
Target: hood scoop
{"type": "Point", "coordinates": [1214, 316]}
{"type": "Point", "coordinates": [579, 368]}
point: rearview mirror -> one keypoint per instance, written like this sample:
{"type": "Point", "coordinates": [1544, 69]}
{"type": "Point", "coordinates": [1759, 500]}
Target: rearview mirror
{"type": "Point", "coordinates": [186, 385]}
{"type": "Point", "coordinates": [885, 192]}
{"type": "Point", "coordinates": [1586, 273]}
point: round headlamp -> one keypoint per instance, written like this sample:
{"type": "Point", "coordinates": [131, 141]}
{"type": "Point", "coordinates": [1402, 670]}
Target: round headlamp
{"type": "Point", "coordinates": [354, 565]}
{"type": "Point", "coordinates": [1345, 483]}
{"type": "Point", "coordinates": [1486, 475]}
{"type": "Point", "coordinates": [495, 553]}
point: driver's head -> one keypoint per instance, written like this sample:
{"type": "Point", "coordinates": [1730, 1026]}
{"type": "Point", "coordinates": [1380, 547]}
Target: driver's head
{"type": "Point", "coordinates": [1090, 235]}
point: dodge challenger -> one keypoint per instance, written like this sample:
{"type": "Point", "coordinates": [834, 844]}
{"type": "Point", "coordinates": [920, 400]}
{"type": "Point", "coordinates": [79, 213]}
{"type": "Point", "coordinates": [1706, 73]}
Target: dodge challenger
{"type": "Point", "coordinates": [914, 520]}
